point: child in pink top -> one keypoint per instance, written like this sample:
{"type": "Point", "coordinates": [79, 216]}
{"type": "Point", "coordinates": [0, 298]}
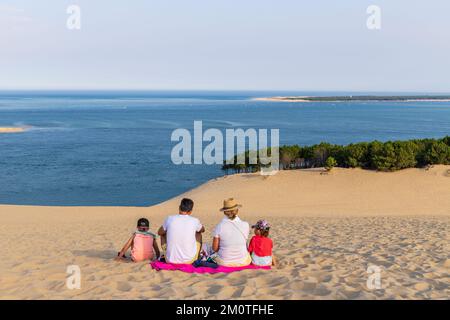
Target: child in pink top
{"type": "Point", "coordinates": [142, 243]}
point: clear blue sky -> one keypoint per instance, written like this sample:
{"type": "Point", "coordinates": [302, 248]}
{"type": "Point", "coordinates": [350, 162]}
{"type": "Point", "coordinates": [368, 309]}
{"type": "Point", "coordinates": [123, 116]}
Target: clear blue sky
{"type": "Point", "coordinates": [226, 44]}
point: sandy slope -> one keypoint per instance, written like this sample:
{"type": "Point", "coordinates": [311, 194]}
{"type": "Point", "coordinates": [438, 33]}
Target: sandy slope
{"type": "Point", "coordinates": [327, 229]}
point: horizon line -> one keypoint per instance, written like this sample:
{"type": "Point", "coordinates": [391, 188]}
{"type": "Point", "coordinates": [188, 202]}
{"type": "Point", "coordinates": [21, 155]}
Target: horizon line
{"type": "Point", "coordinates": [2, 90]}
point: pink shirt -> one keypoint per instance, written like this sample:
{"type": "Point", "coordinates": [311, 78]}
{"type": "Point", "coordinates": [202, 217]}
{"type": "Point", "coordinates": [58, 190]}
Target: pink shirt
{"type": "Point", "coordinates": [142, 246]}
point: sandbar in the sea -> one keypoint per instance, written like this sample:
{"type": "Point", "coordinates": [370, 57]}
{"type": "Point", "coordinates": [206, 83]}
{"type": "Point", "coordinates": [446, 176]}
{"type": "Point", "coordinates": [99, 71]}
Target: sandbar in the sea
{"type": "Point", "coordinates": [283, 99]}
{"type": "Point", "coordinates": [12, 129]}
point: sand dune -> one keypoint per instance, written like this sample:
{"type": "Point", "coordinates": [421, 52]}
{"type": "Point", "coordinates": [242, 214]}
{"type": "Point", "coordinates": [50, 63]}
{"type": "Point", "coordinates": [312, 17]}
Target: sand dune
{"type": "Point", "coordinates": [343, 192]}
{"type": "Point", "coordinates": [327, 230]}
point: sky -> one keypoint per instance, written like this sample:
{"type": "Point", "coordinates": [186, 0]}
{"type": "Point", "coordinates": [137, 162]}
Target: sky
{"type": "Point", "coordinates": [320, 45]}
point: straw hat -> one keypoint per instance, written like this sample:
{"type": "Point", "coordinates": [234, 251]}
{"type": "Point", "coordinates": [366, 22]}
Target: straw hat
{"type": "Point", "coordinates": [230, 204]}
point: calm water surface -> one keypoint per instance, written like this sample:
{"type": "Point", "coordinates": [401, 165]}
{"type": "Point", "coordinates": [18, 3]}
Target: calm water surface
{"type": "Point", "coordinates": [100, 148]}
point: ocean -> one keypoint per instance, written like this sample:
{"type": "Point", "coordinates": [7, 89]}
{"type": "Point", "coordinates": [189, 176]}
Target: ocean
{"type": "Point", "coordinates": [114, 148]}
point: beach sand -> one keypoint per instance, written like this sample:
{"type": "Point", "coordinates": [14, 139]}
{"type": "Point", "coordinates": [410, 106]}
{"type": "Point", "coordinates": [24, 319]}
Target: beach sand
{"type": "Point", "coordinates": [11, 129]}
{"type": "Point", "coordinates": [327, 230]}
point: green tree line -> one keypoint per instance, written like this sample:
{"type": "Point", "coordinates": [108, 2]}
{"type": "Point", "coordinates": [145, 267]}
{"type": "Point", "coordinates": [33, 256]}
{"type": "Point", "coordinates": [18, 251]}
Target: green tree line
{"type": "Point", "coordinates": [375, 155]}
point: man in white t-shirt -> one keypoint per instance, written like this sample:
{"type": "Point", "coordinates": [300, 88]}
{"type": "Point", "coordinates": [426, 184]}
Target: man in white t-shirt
{"type": "Point", "coordinates": [182, 235]}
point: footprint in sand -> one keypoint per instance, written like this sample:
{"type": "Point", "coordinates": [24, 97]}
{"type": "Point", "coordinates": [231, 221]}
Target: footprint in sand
{"type": "Point", "coordinates": [350, 293]}
{"type": "Point", "coordinates": [439, 285]}
{"type": "Point", "coordinates": [277, 281]}
{"type": "Point", "coordinates": [325, 278]}
{"type": "Point", "coordinates": [243, 292]}
{"type": "Point", "coordinates": [91, 278]}
{"type": "Point", "coordinates": [237, 282]}
{"type": "Point", "coordinates": [123, 286]}
{"type": "Point", "coordinates": [327, 268]}
{"type": "Point", "coordinates": [167, 292]}
{"type": "Point", "coordinates": [309, 284]}
{"type": "Point", "coordinates": [131, 278]}
{"type": "Point", "coordinates": [322, 290]}
{"type": "Point", "coordinates": [295, 285]}
{"type": "Point", "coordinates": [225, 293]}
{"type": "Point", "coordinates": [295, 273]}
{"type": "Point", "coordinates": [214, 290]}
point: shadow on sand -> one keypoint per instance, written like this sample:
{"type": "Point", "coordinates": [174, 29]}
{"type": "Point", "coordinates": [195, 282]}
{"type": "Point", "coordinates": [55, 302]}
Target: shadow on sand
{"type": "Point", "coordinates": [99, 254]}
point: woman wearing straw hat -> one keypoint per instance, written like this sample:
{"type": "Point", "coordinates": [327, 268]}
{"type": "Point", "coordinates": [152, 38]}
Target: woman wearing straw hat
{"type": "Point", "coordinates": [230, 237]}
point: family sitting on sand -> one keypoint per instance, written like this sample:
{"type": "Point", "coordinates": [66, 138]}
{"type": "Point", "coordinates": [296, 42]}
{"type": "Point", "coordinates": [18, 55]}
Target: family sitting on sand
{"type": "Point", "coordinates": [181, 240]}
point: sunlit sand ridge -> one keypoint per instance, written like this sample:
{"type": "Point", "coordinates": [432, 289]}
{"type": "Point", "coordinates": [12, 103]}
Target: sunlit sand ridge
{"type": "Point", "coordinates": [11, 129]}
{"type": "Point", "coordinates": [327, 230]}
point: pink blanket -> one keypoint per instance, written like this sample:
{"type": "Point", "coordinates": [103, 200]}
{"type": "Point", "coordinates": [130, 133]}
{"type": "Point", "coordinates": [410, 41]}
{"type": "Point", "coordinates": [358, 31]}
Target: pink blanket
{"type": "Point", "coordinates": [189, 268]}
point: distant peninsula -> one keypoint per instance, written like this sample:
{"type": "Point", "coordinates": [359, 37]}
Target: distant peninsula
{"type": "Point", "coordinates": [356, 98]}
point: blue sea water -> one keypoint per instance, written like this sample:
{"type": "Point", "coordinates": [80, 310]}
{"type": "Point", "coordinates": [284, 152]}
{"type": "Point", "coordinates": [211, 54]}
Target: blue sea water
{"type": "Point", "coordinates": [113, 148]}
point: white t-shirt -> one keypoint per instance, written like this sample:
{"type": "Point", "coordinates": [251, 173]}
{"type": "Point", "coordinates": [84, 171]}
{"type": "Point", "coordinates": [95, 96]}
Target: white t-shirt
{"type": "Point", "coordinates": [233, 235]}
{"type": "Point", "coordinates": [181, 243]}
